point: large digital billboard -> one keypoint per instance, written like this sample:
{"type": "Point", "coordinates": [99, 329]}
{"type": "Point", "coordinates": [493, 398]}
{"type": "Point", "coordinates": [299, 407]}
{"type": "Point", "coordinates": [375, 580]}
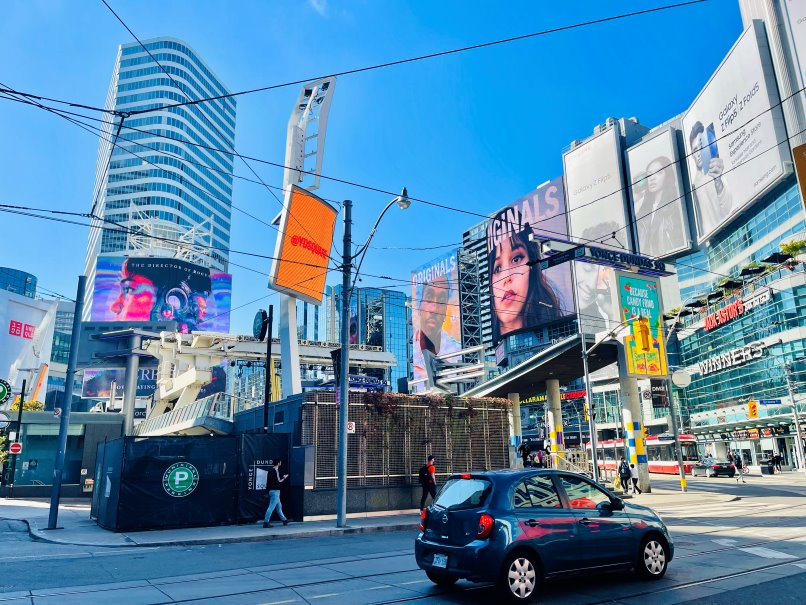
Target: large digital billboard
{"type": "Point", "coordinates": [658, 201]}
{"type": "Point", "coordinates": [161, 289]}
{"type": "Point", "coordinates": [594, 190]}
{"type": "Point", "coordinates": [522, 295]}
{"type": "Point", "coordinates": [734, 134]}
{"type": "Point", "coordinates": [303, 246]}
{"type": "Point", "coordinates": [436, 324]}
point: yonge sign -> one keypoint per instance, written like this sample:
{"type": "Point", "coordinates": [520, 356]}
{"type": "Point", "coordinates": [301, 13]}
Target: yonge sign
{"type": "Point", "coordinates": [736, 357]}
{"type": "Point", "coordinates": [736, 309]}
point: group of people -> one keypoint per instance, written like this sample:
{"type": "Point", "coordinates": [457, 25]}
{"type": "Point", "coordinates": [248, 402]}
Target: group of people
{"type": "Point", "coordinates": [628, 475]}
{"type": "Point", "coordinates": [538, 459]}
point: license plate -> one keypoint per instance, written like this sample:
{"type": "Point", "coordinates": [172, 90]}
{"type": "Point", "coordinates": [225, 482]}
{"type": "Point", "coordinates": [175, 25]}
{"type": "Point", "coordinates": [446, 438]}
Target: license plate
{"type": "Point", "coordinates": [440, 561]}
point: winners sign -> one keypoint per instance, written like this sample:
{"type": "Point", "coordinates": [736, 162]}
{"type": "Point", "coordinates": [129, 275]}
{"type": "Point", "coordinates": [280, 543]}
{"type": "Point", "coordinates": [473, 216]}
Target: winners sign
{"type": "Point", "coordinates": [639, 303]}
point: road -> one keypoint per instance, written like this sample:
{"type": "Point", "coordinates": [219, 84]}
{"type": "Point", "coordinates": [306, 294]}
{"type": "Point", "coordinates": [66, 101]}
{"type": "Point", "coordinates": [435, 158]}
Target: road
{"type": "Point", "coordinates": [749, 551]}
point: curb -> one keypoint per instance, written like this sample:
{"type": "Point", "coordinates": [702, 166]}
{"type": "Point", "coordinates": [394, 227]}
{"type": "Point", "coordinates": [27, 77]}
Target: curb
{"type": "Point", "coordinates": [40, 536]}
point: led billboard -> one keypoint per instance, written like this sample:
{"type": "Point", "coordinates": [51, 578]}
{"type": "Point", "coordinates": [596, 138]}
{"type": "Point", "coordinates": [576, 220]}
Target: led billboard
{"type": "Point", "coordinates": [734, 134]}
{"type": "Point", "coordinates": [303, 246]}
{"type": "Point", "coordinates": [161, 289]}
{"type": "Point", "coordinates": [595, 192]}
{"type": "Point", "coordinates": [436, 325]}
{"type": "Point", "coordinates": [658, 203]}
{"type": "Point", "coordinates": [522, 295]}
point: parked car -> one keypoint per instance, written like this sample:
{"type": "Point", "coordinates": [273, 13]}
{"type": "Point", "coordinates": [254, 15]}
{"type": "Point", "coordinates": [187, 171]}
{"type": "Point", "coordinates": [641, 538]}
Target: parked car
{"type": "Point", "coordinates": [713, 467]}
{"type": "Point", "coordinates": [518, 527]}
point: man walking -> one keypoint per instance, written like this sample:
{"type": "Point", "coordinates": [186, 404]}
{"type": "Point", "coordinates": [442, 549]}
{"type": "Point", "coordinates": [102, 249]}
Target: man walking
{"type": "Point", "coordinates": [428, 481]}
{"type": "Point", "coordinates": [273, 482]}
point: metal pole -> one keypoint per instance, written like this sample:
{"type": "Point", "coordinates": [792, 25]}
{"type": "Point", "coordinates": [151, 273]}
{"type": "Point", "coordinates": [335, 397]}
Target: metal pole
{"type": "Point", "coordinates": [269, 373]}
{"type": "Point", "coordinates": [67, 401]}
{"type": "Point", "coordinates": [344, 379]}
{"type": "Point", "coordinates": [675, 432]}
{"type": "Point", "coordinates": [19, 439]}
{"type": "Point", "coordinates": [798, 434]}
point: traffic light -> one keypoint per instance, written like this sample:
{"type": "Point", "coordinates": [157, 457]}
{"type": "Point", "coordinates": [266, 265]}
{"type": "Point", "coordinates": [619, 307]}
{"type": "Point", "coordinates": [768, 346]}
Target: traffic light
{"type": "Point", "coordinates": [643, 335]}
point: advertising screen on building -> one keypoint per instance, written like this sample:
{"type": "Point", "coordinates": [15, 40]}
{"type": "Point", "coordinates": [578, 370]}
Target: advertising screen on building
{"type": "Point", "coordinates": [658, 201]}
{"type": "Point", "coordinates": [734, 134]}
{"type": "Point", "coordinates": [26, 337]}
{"type": "Point", "coordinates": [161, 289]}
{"type": "Point", "coordinates": [436, 325]}
{"type": "Point", "coordinates": [595, 192]}
{"type": "Point", "coordinates": [522, 295]}
{"type": "Point", "coordinates": [303, 246]}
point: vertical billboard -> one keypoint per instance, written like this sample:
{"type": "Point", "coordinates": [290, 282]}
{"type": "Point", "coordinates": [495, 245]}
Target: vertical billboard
{"type": "Point", "coordinates": [26, 337]}
{"type": "Point", "coordinates": [161, 289]}
{"type": "Point", "coordinates": [656, 188]}
{"type": "Point", "coordinates": [523, 296]}
{"type": "Point", "coordinates": [734, 134]}
{"type": "Point", "coordinates": [303, 246]}
{"type": "Point", "coordinates": [595, 192]}
{"type": "Point", "coordinates": [437, 329]}
{"type": "Point", "coordinates": [639, 301]}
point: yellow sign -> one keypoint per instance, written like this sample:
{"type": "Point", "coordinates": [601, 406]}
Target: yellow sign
{"type": "Point", "coordinates": [752, 409]}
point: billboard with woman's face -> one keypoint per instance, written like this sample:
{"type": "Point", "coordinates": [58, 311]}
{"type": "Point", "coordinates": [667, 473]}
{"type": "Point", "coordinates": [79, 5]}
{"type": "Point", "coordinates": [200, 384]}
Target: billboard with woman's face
{"type": "Point", "coordinates": [161, 289]}
{"type": "Point", "coordinates": [657, 196]}
{"type": "Point", "coordinates": [522, 296]}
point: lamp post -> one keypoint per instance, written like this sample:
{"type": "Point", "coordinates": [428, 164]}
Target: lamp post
{"type": "Point", "coordinates": [347, 257]}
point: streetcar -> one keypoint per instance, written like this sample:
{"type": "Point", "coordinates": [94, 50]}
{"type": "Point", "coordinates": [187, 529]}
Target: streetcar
{"type": "Point", "coordinates": [659, 449]}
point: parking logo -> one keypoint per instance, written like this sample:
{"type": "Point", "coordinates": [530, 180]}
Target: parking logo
{"type": "Point", "coordinates": [180, 479]}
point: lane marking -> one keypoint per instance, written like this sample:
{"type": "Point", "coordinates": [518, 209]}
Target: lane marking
{"type": "Point", "coordinates": [768, 553]}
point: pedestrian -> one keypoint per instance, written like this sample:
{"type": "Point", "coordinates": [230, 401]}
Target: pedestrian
{"type": "Point", "coordinates": [273, 482]}
{"type": "Point", "coordinates": [524, 450]}
{"type": "Point", "coordinates": [624, 474]}
{"type": "Point", "coordinates": [634, 477]}
{"type": "Point", "coordinates": [428, 481]}
{"type": "Point", "coordinates": [739, 463]}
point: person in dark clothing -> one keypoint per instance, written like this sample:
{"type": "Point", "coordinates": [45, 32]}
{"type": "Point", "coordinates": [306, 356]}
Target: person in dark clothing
{"type": "Point", "coordinates": [428, 481]}
{"type": "Point", "coordinates": [273, 483]}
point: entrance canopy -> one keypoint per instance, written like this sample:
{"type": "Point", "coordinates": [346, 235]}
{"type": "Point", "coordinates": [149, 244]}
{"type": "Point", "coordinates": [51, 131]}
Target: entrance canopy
{"type": "Point", "coordinates": [561, 361]}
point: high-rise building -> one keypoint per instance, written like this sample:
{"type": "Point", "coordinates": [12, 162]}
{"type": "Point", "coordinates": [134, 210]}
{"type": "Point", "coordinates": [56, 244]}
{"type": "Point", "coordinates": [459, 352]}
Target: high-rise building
{"type": "Point", "coordinates": [18, 282]}
{"type": "Point", "coordinates": [172, 199]}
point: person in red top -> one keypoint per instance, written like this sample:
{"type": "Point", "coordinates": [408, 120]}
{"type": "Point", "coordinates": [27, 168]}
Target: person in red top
{"type": "Point", "coordinates": [428, 481]}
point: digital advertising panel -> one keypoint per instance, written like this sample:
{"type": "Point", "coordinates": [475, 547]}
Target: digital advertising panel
{"type": "Point", "coordinates": [658, 199]}
{"type": "Point", "coordinates": [26, 337]}
{"type": "Point", "coordinates": [436, 324]}
{"type": "Point", "coordinates": [595, 192]}
{"type": "Point", "coordinates": [734, 134]}
{"type": "Point", "coordinates": [522, 295]}
{"type": "Point", "coordinates": [303, 246]}
{"type": "Point", "coordinates": [639, 302]}
{"type": "Point", "coordinates": [161, 289]}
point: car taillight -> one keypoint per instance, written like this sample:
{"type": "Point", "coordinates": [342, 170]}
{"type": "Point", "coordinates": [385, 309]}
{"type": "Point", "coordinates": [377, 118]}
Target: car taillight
{"type": "Point", "coordinates": [486, 523]}
{"type": "Point", "coordinates": [423, 515]}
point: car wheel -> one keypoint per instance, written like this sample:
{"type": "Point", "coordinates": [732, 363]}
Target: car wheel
{"type": "Point", "coordinates": [653, 558]}
{"type": "Point", "coordinates": [519, 578]}
{"type": "Point", "coordinates": [441, 579]}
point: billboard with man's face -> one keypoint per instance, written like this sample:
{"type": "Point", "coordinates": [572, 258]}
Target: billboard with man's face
{"type": "Point", "coordinates": [734, 134]}
{"type": "Point", "coordinates": [437, 329]}
{"type": "Point", "coordinates": [522, 295]}
{"type": "Point", "coordinates": [161, 289]}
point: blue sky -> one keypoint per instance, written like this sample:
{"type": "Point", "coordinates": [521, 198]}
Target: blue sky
{"type": "Point", "coordinates": [474, 130]}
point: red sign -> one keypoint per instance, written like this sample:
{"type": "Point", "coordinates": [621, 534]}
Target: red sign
{"type": "Point", "coordinates": [15, 448]}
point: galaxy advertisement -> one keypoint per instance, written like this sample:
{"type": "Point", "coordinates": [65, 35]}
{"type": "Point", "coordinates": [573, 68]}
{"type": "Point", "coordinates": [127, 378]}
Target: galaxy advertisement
{"type": "Point", "coordinates": [437, 328]}
{"type": "Point", "coordinates": [524, 297]}
{"type": "Point", "coordinates": [162, 289]}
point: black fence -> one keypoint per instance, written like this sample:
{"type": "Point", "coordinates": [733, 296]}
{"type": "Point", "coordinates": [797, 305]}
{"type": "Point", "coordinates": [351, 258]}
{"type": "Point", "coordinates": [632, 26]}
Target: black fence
{"type": "Point", "coordinates": [168, 482]}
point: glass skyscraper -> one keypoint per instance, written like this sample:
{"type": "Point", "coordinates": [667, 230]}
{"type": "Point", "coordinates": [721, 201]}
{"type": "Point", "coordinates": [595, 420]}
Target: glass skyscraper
{"type": "Point", "coordinates": [175, 194]}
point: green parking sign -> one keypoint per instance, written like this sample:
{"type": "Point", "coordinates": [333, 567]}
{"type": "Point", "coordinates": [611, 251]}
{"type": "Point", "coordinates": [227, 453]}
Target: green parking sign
{"type": "Point", "coordinates": [180, 479]}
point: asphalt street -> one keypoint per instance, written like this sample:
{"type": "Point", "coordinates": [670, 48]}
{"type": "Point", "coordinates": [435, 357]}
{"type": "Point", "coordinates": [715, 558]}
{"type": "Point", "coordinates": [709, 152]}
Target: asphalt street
{"type": "Point", "coordinates": [748, 551]}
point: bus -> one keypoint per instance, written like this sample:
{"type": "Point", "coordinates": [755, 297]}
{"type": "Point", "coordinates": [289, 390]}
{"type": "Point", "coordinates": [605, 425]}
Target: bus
{"type": "Point", "coordinates": [659, 449]}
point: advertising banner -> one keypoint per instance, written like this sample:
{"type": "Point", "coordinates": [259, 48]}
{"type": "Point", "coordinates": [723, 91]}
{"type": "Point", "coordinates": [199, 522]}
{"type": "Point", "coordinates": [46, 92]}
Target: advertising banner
{"type": "Point", "coordinates": [303, 246]}
{"type": "Point", "coordinates": [639, 299]}
{"type": "Point", "coordinates": [26, 337]}
{"type": "Point", "coordinates": [523, 295]}
{"type": "Point", "coordinates": [161, 289]}
{"type": "Point", "coordinates": [734, 134]}
{"type": "Point", "coordinates": [436, 324]}
{"type": "Point", "coordinates": [658, 203]}
{"type": "Point", "coordinates": [595, 192]}
{"type": "Point", "coordinates": [97, 383]}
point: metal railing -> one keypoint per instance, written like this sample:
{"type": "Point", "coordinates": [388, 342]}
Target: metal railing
{"type": "Point", "coordinates": [217, 405]}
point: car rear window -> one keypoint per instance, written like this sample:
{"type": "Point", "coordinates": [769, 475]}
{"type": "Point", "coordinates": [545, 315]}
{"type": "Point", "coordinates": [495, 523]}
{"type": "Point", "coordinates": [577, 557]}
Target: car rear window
{"type": "Point", "coordinates": [464, 493]}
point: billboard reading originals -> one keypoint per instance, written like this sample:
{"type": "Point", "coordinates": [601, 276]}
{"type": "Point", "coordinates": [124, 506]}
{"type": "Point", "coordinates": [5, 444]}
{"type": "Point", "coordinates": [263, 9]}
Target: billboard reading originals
{"type": "Point", "coordinates": [435, 313]}
{"type": "Point", "coordinates": [303, 246]}
{"type": "Point", "coordinates": [161, 289]}
{"type": "Point", "coordinates": [522, 295]}
{"type": "Point", "coordinates": [734, 134]}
